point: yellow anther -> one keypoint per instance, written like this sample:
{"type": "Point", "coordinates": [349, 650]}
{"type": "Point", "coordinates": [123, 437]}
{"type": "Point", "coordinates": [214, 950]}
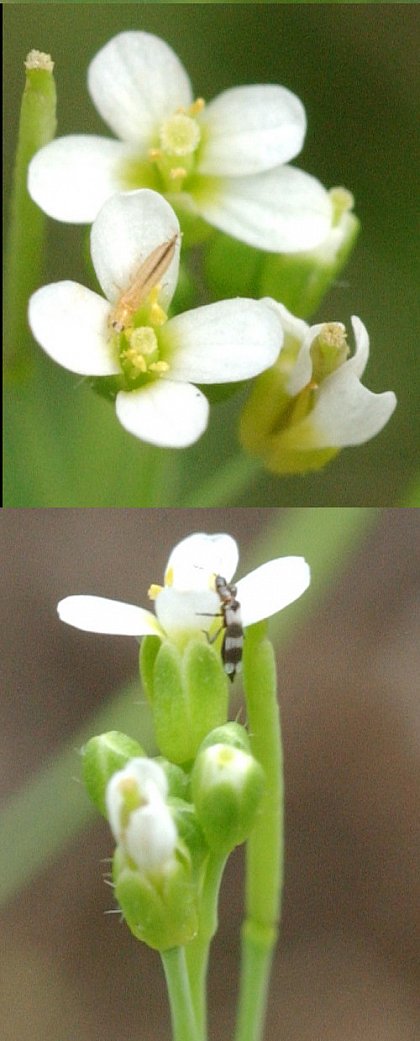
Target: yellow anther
{"type": "Point", "coordinates": [196, 107]}
{"type": "Point", "coordinates": [136, 360]}
{"type": "Point", "coordinates": [158, 366]}
{"type": "Point", "coordinates": [153, 591]}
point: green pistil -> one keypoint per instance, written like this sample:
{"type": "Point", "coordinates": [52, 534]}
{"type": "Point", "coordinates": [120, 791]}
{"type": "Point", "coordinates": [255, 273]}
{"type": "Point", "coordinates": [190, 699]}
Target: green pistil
{"type": "Point", "coordinates": [329, 351]}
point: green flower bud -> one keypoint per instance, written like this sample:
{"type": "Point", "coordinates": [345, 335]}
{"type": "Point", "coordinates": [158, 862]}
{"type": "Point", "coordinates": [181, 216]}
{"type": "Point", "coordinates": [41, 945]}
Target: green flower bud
{"type": "Point", "coordinates": [160, 909]}
{"type": "Point", "coordinates": [232, 268]}
{"type": "Point", "coordinates": [227, 785]}
{"type": "Point", "coordinates": [230, 734]}
{"type": "Point", "coordinates": [178, 780]}
{"type": "Point", "coordinates": [149, 649]}
{"type": "Point", "coordinates": [189, 831]}
{"type": "Point", "coordinates": [190, 697]}
{"type": "Point", "coordinates": [102, 757]}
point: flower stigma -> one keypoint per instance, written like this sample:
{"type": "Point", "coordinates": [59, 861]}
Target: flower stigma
{"type": "Point", "coordinates": [179, 138]}
{"type": "Point", "coordinates": [328, 351]}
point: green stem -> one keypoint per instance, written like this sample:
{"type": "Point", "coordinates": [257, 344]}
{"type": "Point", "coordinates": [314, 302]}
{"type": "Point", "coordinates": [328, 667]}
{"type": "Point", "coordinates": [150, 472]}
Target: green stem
{"type": "Point", "coordinates": [264, 858]}
{"type": "Point", "coordinates": [24, 248]}
{"type": "Point", "coordinates": [197, 952]}
{"type": "Point", "coordinates": [182, 1013]}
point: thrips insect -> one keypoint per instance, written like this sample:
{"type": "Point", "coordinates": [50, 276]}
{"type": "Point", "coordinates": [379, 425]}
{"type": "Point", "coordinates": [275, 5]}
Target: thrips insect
{"type": "Point", "coordinates": [233, 639]}
{"type": "Point", "coordinates": [147, 277]}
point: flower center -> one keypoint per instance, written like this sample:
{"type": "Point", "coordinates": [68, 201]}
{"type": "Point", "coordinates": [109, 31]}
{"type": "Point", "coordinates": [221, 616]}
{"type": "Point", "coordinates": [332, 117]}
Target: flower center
{"type": "Point", "coordinates": [179, 138]}
{"type": "Point", "coordinates": [179, 135]}
{"type": "Point", "coordinates": [135, 338]}
{"type": "Point", "coordinates": [139, 354]}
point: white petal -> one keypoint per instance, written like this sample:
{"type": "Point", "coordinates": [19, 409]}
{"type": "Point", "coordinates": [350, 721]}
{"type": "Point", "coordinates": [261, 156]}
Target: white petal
{"type": "Point", "coordinates": [222, 342]}
{"type": "Point", "coordinates": [184, 612]}
{"type": "Point", "coordinates": [296, 332]}
{"type": "Point", "coordinates": [345, 413]}
{"type": "Point", "coordinates": [96, 614]}
{"type": "Point", "coordinates": [361, 355]}
{"type": "Point", "coordinates": [151, 784]}
{"type": "Point", "coordinates": [72, 177]}
{"type": "Point", "coordinates": [151, 835]}
{"type": "Point", "coordinates": [198, 558]}
{"type": "Point", "coordinates": [294, 328]}
{"type": "Point", "coordinates": [282, 211]}
{"type": "Point", "coordinates": [127, 229]}
{"type": "Point", "coordinates": [272, 587]}
{"type": "Point", "coordinates": [250, 129]}
{"type": "Point", "coordinates": [136, 81]}
{"type": "Point", "coordinates": [71, 324]}
{"type": "Point", "coordinates": [172, 415]}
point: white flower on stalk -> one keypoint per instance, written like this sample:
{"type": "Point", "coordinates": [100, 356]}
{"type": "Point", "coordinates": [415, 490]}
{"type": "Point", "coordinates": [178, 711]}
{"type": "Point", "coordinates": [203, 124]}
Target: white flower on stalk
{"type": "Point", "coordinates": [223, 162]}
{"type": "Point", "coordinates": [158, 361]}
{"type": "Point", "coordinates": [139, 817]}
{"type": "Point", "coordinates": [312, 403]}
{"type": "Point", "coordinates": [187, 603]}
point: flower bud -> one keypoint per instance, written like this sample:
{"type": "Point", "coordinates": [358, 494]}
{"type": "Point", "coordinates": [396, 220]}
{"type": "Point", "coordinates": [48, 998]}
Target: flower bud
{"type": "Point", "coordinates": [230, 734]}
{"type": "Point", "coordinates": [190, 697]}
{"type": "Point", "coordinates": [227, 785]}
{"type": "Point", "coordinates": [139, 817]}
{"type": "Point", "coordinates": [102, 757]}
{"type": "Point", "coordinates": [161, 911]}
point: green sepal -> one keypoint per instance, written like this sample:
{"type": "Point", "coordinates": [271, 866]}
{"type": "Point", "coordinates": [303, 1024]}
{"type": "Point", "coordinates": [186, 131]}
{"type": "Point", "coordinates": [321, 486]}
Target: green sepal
{"type": "Point", "coordinates": [194, 228]}
{"type": "Point", "coordinates": [301, 280]}
{"type": "Point", "coordinates": [269, 427]}
{"type": "Point", "coordinates": [232, 267]}
{"type": "Point", "coordinates": [227, 786]}
{"type": "Point", "coordinates": [179, 782]}
{"type": "Point", "coordinates": [149, 649]}
{"type": "Point", "coordinates": [170, 710]}
{"type": "Point", "coordinates": [207, 690]}
{"type": "Point", "coordinates": [189, 831]}
{"type": "Point", "coordinates": [190, 697]}
{"type": "Point", "coordinates": [233, 734]}
{"type": "Point", "coordinates": [102, 757]}
{"type": "Point", "coordinates": [160, 909]}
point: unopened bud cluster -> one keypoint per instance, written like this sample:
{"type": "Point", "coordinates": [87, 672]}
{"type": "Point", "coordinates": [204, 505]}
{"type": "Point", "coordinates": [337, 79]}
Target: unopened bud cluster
{"type": "Point", "coordinates": [167, 820]}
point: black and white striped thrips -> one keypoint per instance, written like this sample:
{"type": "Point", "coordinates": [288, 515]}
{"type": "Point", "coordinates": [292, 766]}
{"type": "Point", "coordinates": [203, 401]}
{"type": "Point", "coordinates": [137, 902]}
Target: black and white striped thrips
{"type": "Point", "coordinates": [233, 639]}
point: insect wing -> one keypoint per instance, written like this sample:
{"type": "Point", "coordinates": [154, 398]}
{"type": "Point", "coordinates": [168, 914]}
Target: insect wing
{"type": "Point", "coordinates": [147, 277]}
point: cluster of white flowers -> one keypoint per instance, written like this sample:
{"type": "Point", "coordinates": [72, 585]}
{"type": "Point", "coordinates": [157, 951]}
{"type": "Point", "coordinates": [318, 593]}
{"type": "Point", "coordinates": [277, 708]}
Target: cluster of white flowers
{"type": "Point", "coordinates": [225, 163]}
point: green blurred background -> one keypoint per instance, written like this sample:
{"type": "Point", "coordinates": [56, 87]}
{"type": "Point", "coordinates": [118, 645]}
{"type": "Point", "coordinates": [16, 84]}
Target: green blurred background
{"type": "Point", "coordinates": [354, 67]}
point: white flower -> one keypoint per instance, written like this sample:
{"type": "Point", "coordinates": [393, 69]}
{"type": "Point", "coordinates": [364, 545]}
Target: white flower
{"type": "Point", "coordinates": [223, 162]}
{"type": "Point", "coordinates": [139, 817]}
{"type": "Point", "coordinates": [188, 602]}
{"type": "Point", "coordinates": [157, 361]}
{"type": "Point", "coordinates": [312, 402]}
